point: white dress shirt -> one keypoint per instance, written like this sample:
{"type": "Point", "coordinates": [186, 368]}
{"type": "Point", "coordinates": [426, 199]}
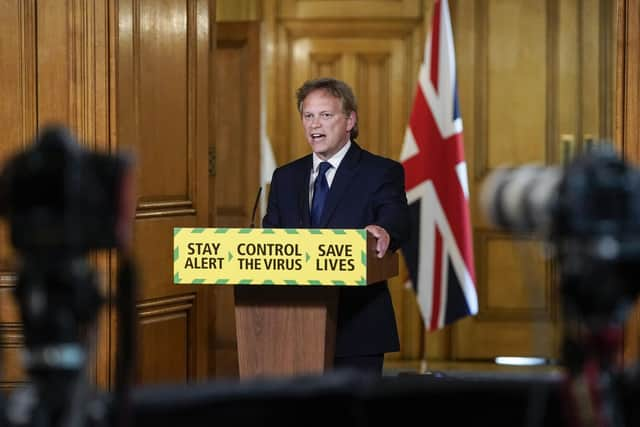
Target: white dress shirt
{"type": "Point", "coordinates": [335, 161]}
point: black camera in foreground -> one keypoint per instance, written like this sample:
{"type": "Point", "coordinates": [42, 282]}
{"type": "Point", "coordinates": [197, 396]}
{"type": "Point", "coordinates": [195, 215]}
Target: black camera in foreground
{"type": "Point", "coordinates": [61, 201]}
{"type": "Point", "coordinates": [58, 195]}
{"type": "Point", "coordinates": [589, 213]}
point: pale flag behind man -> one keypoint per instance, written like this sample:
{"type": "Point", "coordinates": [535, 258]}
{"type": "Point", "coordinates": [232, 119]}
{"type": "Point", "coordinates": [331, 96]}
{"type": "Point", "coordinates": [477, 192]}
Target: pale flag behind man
{"type": "Point", "coordinates": [439, 255]}
{"type": "Point", "coordinates": [267, 162]}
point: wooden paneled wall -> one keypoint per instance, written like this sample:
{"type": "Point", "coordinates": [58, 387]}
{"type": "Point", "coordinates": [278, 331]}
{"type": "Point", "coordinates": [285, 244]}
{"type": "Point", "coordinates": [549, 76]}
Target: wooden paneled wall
{"type": "Point", "coordinates": [140, 74]}
{"type": "Point", "coordinates": [131, 74]}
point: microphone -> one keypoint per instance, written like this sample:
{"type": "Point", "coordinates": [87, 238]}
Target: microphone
{"type": "Point", "coordinates": [255, 208]}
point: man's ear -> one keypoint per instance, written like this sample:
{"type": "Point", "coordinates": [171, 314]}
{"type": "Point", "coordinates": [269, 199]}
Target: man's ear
{"type": "Point", "coordinates": [351, 121]}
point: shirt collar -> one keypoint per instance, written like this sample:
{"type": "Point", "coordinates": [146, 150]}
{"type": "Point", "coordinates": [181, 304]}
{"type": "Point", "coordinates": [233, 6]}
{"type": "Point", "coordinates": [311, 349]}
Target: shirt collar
{"type": "Point", "coordinates": [335, 160]}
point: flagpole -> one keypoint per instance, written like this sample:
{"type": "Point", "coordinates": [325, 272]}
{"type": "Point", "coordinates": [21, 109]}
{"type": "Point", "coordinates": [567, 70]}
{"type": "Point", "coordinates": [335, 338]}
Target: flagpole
{"type": "Point", "coordinates": [423, 350]}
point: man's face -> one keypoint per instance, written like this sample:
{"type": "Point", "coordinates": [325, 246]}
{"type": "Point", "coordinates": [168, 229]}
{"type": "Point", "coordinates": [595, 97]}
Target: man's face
{"type": "Point", "coordinates": [325, 125]}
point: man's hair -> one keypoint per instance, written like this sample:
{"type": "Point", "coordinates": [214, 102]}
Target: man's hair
{"type": "Point", "coordinates": [336, 88]}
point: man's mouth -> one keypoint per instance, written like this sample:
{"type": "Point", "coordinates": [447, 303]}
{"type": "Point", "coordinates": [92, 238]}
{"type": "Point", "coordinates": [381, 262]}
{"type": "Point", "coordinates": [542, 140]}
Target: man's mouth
{"type": "Point", "coordinates": [317, 136]}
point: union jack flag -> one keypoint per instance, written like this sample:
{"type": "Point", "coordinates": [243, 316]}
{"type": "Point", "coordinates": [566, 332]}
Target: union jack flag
{"type": "Point", "coordinates": [439, 255]}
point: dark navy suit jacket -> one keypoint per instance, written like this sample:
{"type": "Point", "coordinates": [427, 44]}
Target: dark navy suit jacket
{"type": "Point", "coordinates": [367, 189]}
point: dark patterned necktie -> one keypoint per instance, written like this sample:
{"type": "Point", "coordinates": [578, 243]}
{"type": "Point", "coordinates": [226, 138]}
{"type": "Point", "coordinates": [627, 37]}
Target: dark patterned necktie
{"type": "Point", "coordinates": [320, 191]}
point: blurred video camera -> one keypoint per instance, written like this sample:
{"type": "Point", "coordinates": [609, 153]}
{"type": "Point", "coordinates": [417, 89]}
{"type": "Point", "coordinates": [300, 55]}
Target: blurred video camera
{"type": "Point", "coordinates": [58, 195]}
{"type": "Point", "coordinates": [588, 213]}
{"type": "Point", "coordinates": [61, 201]}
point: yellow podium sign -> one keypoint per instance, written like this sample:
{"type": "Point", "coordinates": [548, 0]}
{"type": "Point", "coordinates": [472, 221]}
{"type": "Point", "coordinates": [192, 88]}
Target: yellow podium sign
{"type": "Point", "coordinates": [265, 256]}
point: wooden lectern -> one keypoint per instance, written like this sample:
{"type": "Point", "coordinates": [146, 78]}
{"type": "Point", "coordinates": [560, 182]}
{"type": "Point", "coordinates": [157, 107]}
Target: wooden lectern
{"type": "Point", "coordinates": [290, 330]}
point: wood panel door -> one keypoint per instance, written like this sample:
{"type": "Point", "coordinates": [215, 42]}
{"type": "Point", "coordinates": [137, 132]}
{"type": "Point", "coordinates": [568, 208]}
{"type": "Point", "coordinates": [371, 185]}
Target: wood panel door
{"type": "Point", "coordinates": [237, 154]}
{"type": "Point", "coordinates": [162, 97]}
{"type": "Point", "coordinates": [378, 58]}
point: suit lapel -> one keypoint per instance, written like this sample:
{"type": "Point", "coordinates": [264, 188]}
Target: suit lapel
{"type": "Point", "coordinates": [304, 175]}
{"type": "Point", "coordinates": [341, 182]}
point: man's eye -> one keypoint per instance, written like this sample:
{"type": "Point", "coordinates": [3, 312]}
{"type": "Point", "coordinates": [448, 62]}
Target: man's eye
{"type": "Point", "coordinates": [326, 116]}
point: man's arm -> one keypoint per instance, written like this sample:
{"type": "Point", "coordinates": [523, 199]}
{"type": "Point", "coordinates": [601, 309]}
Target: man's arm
{"type": "Point", "coordinates": [391, 225]}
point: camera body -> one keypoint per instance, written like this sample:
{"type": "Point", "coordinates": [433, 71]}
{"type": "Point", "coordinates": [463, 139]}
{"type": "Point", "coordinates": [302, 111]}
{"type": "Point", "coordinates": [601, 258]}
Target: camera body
{"type": "Point", "coordinates": [58, 196]}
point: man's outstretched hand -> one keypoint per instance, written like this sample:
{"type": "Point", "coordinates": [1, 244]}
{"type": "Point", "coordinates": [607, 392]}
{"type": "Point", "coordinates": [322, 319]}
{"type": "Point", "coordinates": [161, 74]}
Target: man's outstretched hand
{"type": "Point", "coordinates": [382, 239]}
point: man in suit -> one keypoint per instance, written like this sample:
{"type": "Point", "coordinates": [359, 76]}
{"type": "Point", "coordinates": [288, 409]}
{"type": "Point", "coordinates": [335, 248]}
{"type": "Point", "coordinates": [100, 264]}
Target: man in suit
{"type": "Point", "coordinates": [341, 185]}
